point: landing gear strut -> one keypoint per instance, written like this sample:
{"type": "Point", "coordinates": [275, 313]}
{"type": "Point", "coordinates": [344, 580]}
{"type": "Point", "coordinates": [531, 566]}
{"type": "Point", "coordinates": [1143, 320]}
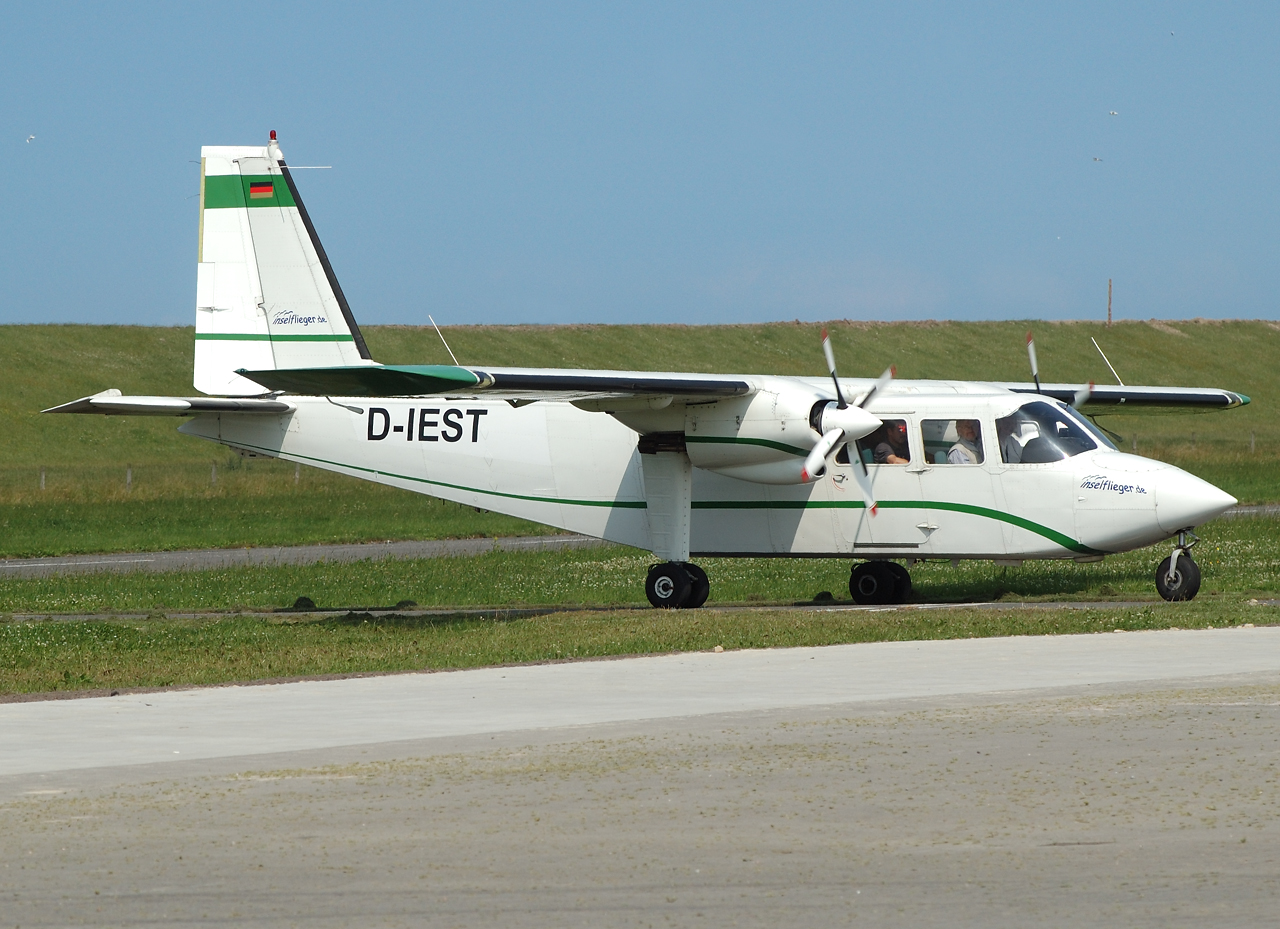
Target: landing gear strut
{"type": "Point", "coordinates": [877, 582]}
{"type": "Point", "coordinates": [677, 585]}
{"type": "Point", "coordinates": [1178, 577]}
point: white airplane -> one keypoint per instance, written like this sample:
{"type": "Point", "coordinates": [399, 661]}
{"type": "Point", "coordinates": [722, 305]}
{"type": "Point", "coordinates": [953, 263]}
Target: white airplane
{"type": "Point", "coordinates": [879, 471]}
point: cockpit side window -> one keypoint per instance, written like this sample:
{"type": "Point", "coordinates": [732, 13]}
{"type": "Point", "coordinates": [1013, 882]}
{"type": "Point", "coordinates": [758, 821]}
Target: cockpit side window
{"type": "Point", "coordinates": [1039, 432]}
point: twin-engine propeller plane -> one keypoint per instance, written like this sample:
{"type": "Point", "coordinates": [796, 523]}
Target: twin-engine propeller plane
{"type": "Point", "coordinates": [879, 471]}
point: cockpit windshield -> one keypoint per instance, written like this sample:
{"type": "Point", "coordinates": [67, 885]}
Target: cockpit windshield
{"type": "Point", "coordinates": [1039, 432]}
{"type": "Point", "coordinates": [1096, 430]}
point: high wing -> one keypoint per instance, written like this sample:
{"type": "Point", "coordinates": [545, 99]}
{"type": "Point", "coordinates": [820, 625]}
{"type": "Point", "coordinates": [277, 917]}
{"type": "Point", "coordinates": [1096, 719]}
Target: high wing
{"type": "Point", "coordinates": [499, 383]}
{"type": "Point", "coordinates": [113, 403]}
{"type": "Point", "coordinates": [1116, 398]}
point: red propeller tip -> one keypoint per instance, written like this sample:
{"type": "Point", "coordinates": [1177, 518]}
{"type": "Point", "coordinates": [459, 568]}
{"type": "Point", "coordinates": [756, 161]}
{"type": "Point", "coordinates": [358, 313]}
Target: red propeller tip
{"type": "Point", "coordinates": [824, 334]}
{"type": "Point", "coordinates": [874, 509]}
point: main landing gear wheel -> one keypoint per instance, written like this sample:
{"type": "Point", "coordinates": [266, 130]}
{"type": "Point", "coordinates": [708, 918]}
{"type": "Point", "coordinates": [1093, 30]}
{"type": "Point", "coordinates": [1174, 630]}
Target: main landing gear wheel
{"type": "Point", "coordinates": [879, 582]}
{"type": "Point", "coordinates": [1183, 582]}
{"type": "Point", "coordinates": [699, 589]}
{"type": "Point", "coordinates": [676, 586]}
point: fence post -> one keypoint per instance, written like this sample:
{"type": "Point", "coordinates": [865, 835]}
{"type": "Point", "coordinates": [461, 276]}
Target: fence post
{"type": "Point", "coordinates": [213, 474]}
{"type": "Point", "coordinates": [42, 478]}
{"type": "Point", "coordinates": [297, 472]}
{"type": "Point", "coordinates": [128, 478]}
{"type": "Point", "coordinates": [1252, 448]}
{"type": "Point", "coordinates": [1135, 443]}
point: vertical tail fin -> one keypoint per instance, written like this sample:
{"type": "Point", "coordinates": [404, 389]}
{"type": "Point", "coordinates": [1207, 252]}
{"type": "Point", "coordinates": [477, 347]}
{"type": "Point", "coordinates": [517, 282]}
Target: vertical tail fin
{"type": "Point", "coordinates": [266, 296]}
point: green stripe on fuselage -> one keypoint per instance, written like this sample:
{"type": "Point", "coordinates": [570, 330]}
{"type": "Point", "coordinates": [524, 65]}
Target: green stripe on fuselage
{"type": "Point", "coordinates": [228, 191]}
{"type": "Point", "coordinates": [1052, 535]}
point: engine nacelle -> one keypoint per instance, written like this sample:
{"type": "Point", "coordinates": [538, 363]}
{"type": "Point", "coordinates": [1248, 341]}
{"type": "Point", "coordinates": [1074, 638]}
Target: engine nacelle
{"type": "Point", "coordinates": [766, 437]}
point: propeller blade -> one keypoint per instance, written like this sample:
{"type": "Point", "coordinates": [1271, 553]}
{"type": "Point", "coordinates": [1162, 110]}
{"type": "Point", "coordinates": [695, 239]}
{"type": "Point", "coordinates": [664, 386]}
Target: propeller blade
{"type": "Point", "coordinates": [881, 382]}
{"type": "Point", "coordinates": [1082, 396]}
{"type": "Point", "coordinates": [831, 366]}
{"type": "Point", "coordinates": [816, 463]}
{"type": "Point", "coordinates": [864, 481]}
{"type": "Point", "coordinates": [1031, 353]}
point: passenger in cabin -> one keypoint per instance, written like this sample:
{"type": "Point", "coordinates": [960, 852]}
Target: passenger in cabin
{"type": "Point", "coordinates": [968, 448]}
{"type": "Point", "coordinates": [892, 445]}
{"type": "Point", "coordinates": [1010, 447]}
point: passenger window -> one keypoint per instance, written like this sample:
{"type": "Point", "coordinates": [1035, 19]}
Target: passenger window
{"type": "Point", "coordinates": [952, 441]}
{"type": "Point", "coordinates": [887, 445]}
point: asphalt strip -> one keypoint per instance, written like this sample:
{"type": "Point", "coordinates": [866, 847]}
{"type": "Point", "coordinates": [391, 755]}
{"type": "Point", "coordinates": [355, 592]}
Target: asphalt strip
{"type": "Point", "coordinates": [225, 722]}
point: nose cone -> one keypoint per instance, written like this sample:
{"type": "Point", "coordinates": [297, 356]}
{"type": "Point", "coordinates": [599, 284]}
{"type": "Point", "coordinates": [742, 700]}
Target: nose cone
{"type": "Point", "coordinates": [1184, 501]}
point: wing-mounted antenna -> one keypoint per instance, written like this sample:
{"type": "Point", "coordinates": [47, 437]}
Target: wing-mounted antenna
{"type": "Point", "coordinates": [446, 344]}
{"type": "Point", "coordinates": [1031, 353]}
{"type": "Point", "coordinates": [1104, 358]}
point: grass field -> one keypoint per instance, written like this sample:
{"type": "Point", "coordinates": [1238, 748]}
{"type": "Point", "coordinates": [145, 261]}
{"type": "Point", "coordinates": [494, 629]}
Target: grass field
{"type": "Point", "coordinates": [1240, 560]}
{"type": "Point", "coordinates": [173, 503]}
{"type": "Point", "coordinates": [98, 655]}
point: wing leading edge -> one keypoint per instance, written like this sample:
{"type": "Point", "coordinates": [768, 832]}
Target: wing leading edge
{"type": "Point", "coordinates": [518, 383]}
{"type": "Point", "coordinates": [1117, 398]}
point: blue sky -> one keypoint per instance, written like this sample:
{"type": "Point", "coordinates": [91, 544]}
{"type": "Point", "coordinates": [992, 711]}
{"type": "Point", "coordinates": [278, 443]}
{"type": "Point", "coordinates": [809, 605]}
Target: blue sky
{"type": "Point", "coordinates": [699, 163]}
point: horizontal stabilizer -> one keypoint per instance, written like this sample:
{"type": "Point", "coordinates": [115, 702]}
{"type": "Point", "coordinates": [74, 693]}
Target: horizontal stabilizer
{"type": "Point", "coordinates": [511, 383]}
{"type": "Point", "coordinates": [366, 381]}
{"type": "Point", "coordinates": [1191, 398]}
{"type": "Point", "coordinates": [113, 403]}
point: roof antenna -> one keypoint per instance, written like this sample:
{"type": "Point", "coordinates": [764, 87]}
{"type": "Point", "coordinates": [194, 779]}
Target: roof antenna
{"type": "Point", "coordinates": [1104, 358]}
{"type": "Point", "coordinates": [446, 344]}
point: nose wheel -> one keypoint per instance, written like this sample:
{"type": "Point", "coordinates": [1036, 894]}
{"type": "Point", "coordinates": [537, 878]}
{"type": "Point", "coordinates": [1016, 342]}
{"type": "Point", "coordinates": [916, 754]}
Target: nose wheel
{"type": "Point", "coordinates": [1178, 577]}
{"type": "Point", "coordinates": [879, 582]}
{"type": "Point", "coordinates": [677, 585]}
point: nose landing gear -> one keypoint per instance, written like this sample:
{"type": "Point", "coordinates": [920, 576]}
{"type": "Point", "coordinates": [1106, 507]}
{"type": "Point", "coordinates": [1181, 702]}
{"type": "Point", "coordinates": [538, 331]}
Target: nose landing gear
{"type": "Point", "coordinates": [879, 582]}
{"type": "Point", "coordinates": [1178, 577]}
{"type": "Point", "coordinates": [677, 585]}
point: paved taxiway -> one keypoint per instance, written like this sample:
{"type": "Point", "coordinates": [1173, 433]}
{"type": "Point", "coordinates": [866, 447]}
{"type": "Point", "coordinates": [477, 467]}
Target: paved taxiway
{"type": "Point", "coordinates": [205, 559]}
{"type": "Point", "coordinates": [1109, 779]}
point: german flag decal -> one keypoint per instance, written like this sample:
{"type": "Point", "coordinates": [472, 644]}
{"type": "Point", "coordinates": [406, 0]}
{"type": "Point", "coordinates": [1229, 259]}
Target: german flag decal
{"type": "Point", "coordinates": [261, 190]}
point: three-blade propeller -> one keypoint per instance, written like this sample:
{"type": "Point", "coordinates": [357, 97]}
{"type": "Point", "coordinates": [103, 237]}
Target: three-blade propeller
{"type": "Point", "coordinates": [843, 424]}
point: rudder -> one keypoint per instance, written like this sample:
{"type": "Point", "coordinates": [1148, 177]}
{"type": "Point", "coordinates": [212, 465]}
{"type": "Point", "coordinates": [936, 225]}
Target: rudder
{"type": "Point", "coordinates": [266, 296]}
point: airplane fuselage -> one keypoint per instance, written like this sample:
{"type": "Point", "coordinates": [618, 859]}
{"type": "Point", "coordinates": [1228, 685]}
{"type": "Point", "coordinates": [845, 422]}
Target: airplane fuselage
{"type": "Point", "coordinates": [578, 470]}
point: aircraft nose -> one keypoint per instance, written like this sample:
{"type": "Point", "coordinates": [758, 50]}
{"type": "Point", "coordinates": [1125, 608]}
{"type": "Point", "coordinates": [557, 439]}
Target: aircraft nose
{"type": "Point", "coordinates": [1184, 501]}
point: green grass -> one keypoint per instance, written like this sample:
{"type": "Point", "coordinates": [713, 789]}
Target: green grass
{"type": "Point", "coordinates": [84, 506]}
{"type": "Point", "coordinates": [49, 656]}
{"type": "Point", "coordinates": [1238, 557]}
{"type": "Point", "coordinates": [1240, 560]}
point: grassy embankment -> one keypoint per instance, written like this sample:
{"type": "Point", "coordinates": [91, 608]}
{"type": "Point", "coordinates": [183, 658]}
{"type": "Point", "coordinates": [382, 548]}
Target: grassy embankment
{"type": "Point", "coordinates": [174, 504]}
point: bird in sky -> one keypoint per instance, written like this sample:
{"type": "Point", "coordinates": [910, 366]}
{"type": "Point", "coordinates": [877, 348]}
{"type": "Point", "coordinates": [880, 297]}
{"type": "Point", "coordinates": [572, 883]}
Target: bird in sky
{"type": "Point", "coordinates": [1097, 159]}
{"type": "Point", "coordinates": [1114, 113]}
{"type": "Point", "coordinates": [29, 138]}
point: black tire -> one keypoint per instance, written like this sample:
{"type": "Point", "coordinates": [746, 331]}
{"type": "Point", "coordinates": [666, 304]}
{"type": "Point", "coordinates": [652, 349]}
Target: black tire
{"type": "Point", "coordinates": [699, 589]}
{"type": "Point", "coordinates": [902, 580]}
{"type": "Point", "coordinates": [668, 585]}
{"type": "Point", "coordinates": [872, 583]}
{"type": "Point", "coordinates": [1186, 580]}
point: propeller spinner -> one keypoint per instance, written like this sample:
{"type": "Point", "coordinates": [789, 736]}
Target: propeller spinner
{"type": "Point", "coordinates": [842, 424]}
